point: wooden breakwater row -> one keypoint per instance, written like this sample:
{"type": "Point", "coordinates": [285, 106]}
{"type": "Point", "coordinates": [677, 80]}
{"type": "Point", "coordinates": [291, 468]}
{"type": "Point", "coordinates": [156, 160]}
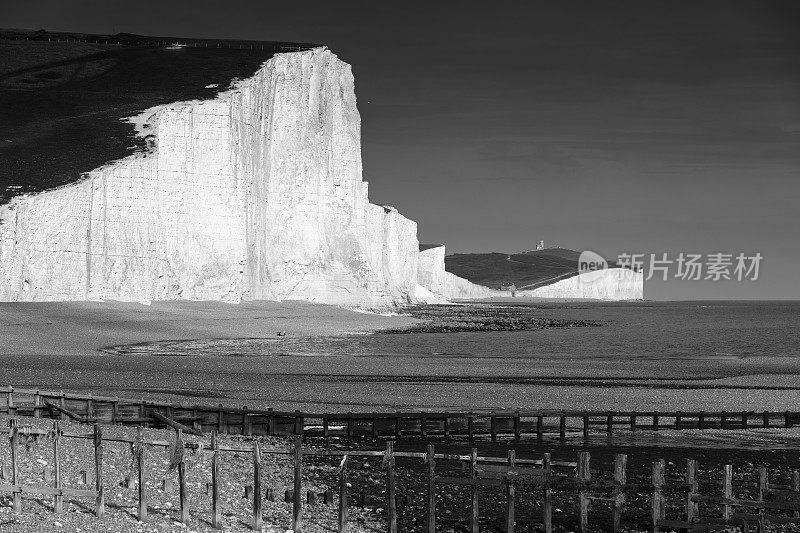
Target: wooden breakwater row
{"type": "Point", "coordinates": [473, 424]}
{"type": "Point", "coordinates": [549, 482]}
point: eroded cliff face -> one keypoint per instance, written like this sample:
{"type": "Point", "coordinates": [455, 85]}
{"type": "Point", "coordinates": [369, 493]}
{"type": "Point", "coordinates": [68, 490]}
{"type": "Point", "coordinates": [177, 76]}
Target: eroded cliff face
{"type": "Point", "coordinates": [256, 194]}
{"type": "Point", "coordinates": [610, 284]}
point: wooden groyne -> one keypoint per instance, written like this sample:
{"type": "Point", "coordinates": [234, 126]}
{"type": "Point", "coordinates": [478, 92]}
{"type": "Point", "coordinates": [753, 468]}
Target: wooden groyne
{"type": "Point", "coordinates": [543, 484]}
{"type": "Point", "coordinates": [516, 425]}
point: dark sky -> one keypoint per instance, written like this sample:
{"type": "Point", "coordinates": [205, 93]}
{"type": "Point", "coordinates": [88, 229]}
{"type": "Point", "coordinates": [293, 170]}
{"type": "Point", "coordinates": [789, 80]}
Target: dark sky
{"type": "Point", "coordinates": [611, 126]}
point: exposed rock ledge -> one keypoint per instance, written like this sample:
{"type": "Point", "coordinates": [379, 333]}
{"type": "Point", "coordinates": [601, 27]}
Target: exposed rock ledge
{"type": "Point", "coordinates": [256, 194]}
{"type": "Point", "coordinates": [610, 284]}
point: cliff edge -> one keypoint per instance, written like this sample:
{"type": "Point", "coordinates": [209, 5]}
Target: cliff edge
{"type": "Point", "coordinates": [255, 194]}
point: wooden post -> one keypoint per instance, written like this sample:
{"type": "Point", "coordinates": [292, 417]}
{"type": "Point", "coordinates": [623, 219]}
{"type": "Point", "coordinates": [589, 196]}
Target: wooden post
{"type": "Point", "coordinates": [700, 419]}
{"type": "Point", "coordinates": [115, 412]}
{"type": "Point", "coordinates": [517, 428]}
{"type": "Point", "coordinates": [723, 418]}
{"type": "Point", "coordinates": [431, 489]}
{"type": "Point", "coordinates": [765, 416]}
{"type": "Point", "coordinates": [510, 495]}
{"type": "Point", "coordinates": [658, 494]}
{"type": "Point", "coordinates": [299, 423]}
{"type": "Point", "coordinates": [633, 421]}
{"type": "Point", "coordinates": [423, 426]}
{"type": "Point", "coordinates": [37, 405]}
{"type": "Point", "coordinates": [140, 467]}
{"type": "Point", "coordinates": [763, 486]}
{"type": "Point", "coordinates": [297, 504]}
{"type": "Point", "coordinates": [620, 479]}
{"type": "Point", "coordinates": [183, 494]}
{"type": "Point", "coordinates": [744, 419]}
{"type": "Point", "coordinates": [583, 477]}
{"type": "Point", "coordinates": [13, 434]}
{"type": "Point", "coordinates": [216, 507]}
{"type": "Point", "coordinates": [397, 420]}
{"type": "Point", "coordinates": [727, 491]}
{"type": "Point", "coordinates": [446, 425]}
{"type": "Point", "coordinates": [61, 402]}
{"type": "Point", "coordinates": [678, 420]}
{"type": "Point", "coordinates": [100, 502]}
{"type": "Point", "coordinates": [692, 507]}
{"type": "Point", "coordinates": [585, 426]}
{"type": "Point", "coordinates": [610, 424]}
{"type": "Point", "coordinates": [655, 421]}
{"type": "Point", "coordinates": [343, 495]}
{"type": "Point", "coordinates": [562, 427]}
{"type": "Point", "coordinates": [493, 427]}
{"type": "Point", "coordinates": [547, 503]}
{"type": "Point", "coordinates": [374, 425]}
{"type": "Point", "coordinates": [796, 488]}
{"type": "Point", "coordinates": [247, 424]}
{"type": "Point", "coordinates": [90, 408]}
{"type": "Point", "coordinates": [787, 419]}
{"type": "Point", "coordinates": [391, 499]}
{"type": "Point", "coordinates": [473, 467]}
{"type": "Point", "coordinates": [12, 410]}
{"type": "Point", "coordinates": [257, 501]}
{"type": "Point", "coordinates": [349, 425]}
{"type": "Point", "coordinates": [270, 422]}
{"type": "Point", "coordinates": [539, 427]}
{"type": "Point", "coordinates": [58, 499]}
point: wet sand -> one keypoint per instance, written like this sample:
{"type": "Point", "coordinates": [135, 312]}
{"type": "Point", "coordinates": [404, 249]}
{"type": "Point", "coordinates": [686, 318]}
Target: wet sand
{"type": "Point", "coordinates": [324, 365]}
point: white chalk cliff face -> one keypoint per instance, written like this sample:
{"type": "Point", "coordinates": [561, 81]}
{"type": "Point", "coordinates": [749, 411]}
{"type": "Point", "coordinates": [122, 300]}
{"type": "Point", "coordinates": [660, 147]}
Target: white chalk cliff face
{"type": "Point", "coordinates": [256, 194]}
{"type": "Point", "coordinates": [609, 284]}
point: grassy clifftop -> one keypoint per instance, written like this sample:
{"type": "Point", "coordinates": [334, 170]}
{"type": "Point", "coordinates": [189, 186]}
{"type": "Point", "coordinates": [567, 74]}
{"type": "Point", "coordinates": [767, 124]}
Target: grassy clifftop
{"type": "Point", "coordinates": [63, 95]}
{"type": "Point", "coordinates": [525, 270]}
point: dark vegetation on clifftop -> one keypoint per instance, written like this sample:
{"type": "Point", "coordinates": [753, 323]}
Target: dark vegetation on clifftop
{"type": "Point", "coordinates": [63, 95]}
{"type": "Point", "coordinates": [527, 270]}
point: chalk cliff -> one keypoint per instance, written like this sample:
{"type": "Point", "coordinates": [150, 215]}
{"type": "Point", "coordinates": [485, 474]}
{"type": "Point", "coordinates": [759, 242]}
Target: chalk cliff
{"type": "Point", "coordinates": [256, 194]}
{"type": "Point", "coordinates": [610, 284]}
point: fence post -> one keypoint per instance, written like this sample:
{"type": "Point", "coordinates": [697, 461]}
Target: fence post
{"type": "Point", "coordinates": [431, 489]}
{"type": "Point", "coordinates": [473, 467]}
{"type": "Point", "coordinates": [547, 504]}
{"type": "Point", "coordinates": [517, 428]}
{"type": "Point", "coordinates": [216, 508]}
{"type": "Point", "coordinates": [655, 421]}
{"type": "Point", "coordinates": [539, 427]}
{"type": "Point", "coordinates": [12, 409]}
{"type": "Point", "coordinates": [343, 495]}
{"type": "Point", "coordinates": [692, 507]}
{"type": "Point", "coordinates": [745, 416]}
{"type": "Point", "coordinates": [585, 426]}
{"type": "Point", "coordinates": [510, 495]}
{"type": "Point", "coordinates": [796, 488]}
{"type": "Point", "coordinates": [723, 418]}
{"type": "Point", "coordinates": [620, 479]}
{"type": "Point", "coordinates": [183, 495]}
{"type": "Point", "coordinates": [765, 417]}
{"type": "Point", "coordinates": [678, 420]}
{"type": "Point", "coordinates": [140, 467]}
{"type": "Point", "coordinates": [583, 476]}
{"type": "Point", "coordinates": [787, 419]}
{"type": "Point", "coordinates": [493, 427]}
{"type": "Point", "coordinates": [701, 416]}
{"type": "Point", "coordinates": [13, 435]}
{"type": "Point", "coordinates": [610, 424]}
{"type": "Point", "coordinates": [658, 494]}
{"type": "Point", "coordinates": [58, 499]}
{"type": "Point", "coordinates": [633, 421]}
{"type": "Point", "coordinates": [257, 503]}
{"type": "Point", "coordinates": [100, 503]}
{"type": "Point", "coordinates": [763, 486]}
{"type": "Point", "coordinates": [562, 427]}
{"type": "Point", "coordinates": [391, 500]}
{"type": "Point", "coordinates": [37, 404]}
{"type": "Point", "coordinates": [297, 505]}
{"type": "Point", "coordinates": [727, 491]}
